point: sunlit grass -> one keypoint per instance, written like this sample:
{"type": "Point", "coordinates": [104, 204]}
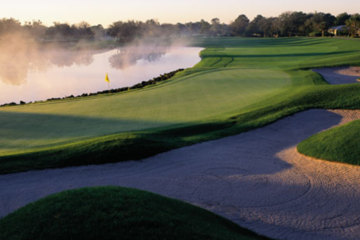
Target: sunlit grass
{"type": "Point", "coordinates": [240, 84]}
{"type": "Point", "coordinates": [340, 144]}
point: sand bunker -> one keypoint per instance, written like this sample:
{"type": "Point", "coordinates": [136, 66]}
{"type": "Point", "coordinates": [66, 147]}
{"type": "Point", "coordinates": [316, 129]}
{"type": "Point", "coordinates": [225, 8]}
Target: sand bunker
{"type": "Point", "coordinates": [350, 71]}
{"type": "Point", "coordinates": [257, 179]}
{"type": "Point", "coordinates": [340, 75]}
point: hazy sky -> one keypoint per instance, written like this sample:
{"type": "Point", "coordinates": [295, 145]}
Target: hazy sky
{"type": "Point", "coordinates": [172, 11]}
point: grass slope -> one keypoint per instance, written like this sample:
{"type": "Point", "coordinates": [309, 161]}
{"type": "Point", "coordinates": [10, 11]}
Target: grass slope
{"type": "Point", "coordinates": [116, 213]}
{"type": "Point", "coordinates": [340, 144]}
{"type": "Point", "coordinates": [240, 84]}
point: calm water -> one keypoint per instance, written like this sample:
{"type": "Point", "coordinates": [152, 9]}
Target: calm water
{"type": "Point", "coordinates": [31, 76]}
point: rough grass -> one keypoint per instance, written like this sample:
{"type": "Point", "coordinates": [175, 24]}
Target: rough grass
{"type": "Point", "coordinates": [340, 144]}
{"type": "Point", "coordinates": [240, 84]}
{"type": "Point", "coordinates": [116, 213]}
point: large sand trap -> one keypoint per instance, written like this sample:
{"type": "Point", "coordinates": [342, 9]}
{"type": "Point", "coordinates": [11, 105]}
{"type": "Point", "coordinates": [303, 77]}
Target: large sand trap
{"type": "Point", "coordinates": [256, 179]}
{"type": "Point", "coordinates": [340, 75]}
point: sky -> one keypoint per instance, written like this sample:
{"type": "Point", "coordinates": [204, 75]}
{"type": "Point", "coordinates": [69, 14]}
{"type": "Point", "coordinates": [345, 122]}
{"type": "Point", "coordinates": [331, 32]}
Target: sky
{"type": "Point", "coordinates": [106, 12]}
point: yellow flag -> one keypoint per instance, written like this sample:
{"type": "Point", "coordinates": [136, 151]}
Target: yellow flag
{"type": "Point", "coordinates": [107, 78]}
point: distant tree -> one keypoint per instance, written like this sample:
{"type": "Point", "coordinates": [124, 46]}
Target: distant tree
{"type": "Point", "coordinates": [125, 31]}
{"type": "Point", "coordinates": [9, 25]}
{"type": "Point", "coordinates": [99, 31]}
{"type": "Point", "coordinates": [181, 28]}
{"type": "Point", "coordinates": [270, 27]}
{"type": "Point", "coordinates": [193, 27]}
{"type": "Point", "coordinates": [36, 29]}
{"type": "Point", "coordinates": [168, 29]}
{"type": "Point", "coordinates": [320, 22]}
{"type": "Point", "coordinates": [59, 31]}
{"type": "Point", "coordinates": [204, 27]}
{"type": "Point", "coordinates": [239, 26]}
{"type": "Point", "coordinates": [292, 24]}
{"type": "Point", "coordinates": [342, 18]}
{"type": "Point", "coordinates": [256, 26]}
{"type": "Point", "coordinates": [83, 30]}
{"type": "Point", "coordinates": [215, 28]}
{"type": "Point", "coordinates": [151, 28]}
{"type": "Point", "coordinates": [353, 25]}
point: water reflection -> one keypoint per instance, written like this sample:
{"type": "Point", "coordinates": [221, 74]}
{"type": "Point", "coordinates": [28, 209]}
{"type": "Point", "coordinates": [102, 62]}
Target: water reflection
{"type": "Point", "coordinates": [19, 55]}
{"type": "Point", "coordinates": [16, 55]}
{"type": "Point", "coordinates": [29, 72]}
{"type": "Point", "coordinates": [128, 56]}
{"type": "Point", "coordinates": [67, 58]}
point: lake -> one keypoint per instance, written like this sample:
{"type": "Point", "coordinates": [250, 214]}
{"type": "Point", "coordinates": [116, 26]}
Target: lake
{"type": "Point", "coordinates": [38, 75]}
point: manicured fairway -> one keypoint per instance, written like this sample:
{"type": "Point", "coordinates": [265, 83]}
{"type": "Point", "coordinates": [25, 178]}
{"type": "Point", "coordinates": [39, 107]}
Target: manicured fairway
{"type": "Point", "coordinates": [240, 84]}
{"type": "Point", "coordinates": [192, 98]}
{"type": "Point", "coordinates": [111, 213]}
{"type": "Point", "coordinates": [341, 144]}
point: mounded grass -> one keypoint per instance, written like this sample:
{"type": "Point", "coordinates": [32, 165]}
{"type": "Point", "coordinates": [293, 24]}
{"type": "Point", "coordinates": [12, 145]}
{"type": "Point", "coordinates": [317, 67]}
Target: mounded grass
{"type": "Point", "coordinates": [240, 84]}
{"type": "Point", "coordinates": [340, 144]}
{"type": "Point", "coordinates": [116, 213]}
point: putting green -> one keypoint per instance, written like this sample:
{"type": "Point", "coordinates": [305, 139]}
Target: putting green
{"type": "Point", "coordinates": [187, 99]}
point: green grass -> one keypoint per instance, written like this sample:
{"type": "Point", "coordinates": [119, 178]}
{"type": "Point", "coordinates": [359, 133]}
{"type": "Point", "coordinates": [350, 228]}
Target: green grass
{"type": "Point", "coordinates": [240, 84]}
{"type": "Point", "coordinates": [116, 213]}
{"type": "Point", "coordinates": [183, 101]}
{"type": "Point", "coordinates": [340, 144]}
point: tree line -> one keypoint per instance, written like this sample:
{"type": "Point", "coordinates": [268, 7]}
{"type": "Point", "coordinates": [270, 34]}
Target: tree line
{"type": "Point", "coordinates": [287, 24]}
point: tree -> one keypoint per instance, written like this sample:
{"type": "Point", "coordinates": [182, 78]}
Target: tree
{"type": "Point", "coordinates": [125, 31]}
{"type": "Point", "coordinates": [257, 26]}
{"type": "Point", "coordinates": [239, 26]}
{"type": "Point", "coordinates": [36, 29]}
{"type": "Point", "coordinates": [353, 23]}
{"type": "Point", "coordinates": [9, 25]}
{"type": "Point", "coordinates": [204, 27]}
{"type": "Point", "coordinates": [292, 24]}
{"type": "Point", "coordinates": [83, 30]}
{"type": "Point", "coordinates": [215, 28]}
{"type": "Point", "coordinates": [342, 18]}
{"type": "Point", "coordinates": [320, 22]}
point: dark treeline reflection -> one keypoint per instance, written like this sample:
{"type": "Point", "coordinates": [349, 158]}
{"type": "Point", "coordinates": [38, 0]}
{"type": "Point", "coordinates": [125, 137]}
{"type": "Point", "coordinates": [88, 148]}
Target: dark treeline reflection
{"type": "Point", "coordinates": [128, 56]}
{"type": "Point", "coordinates": [20, 54]}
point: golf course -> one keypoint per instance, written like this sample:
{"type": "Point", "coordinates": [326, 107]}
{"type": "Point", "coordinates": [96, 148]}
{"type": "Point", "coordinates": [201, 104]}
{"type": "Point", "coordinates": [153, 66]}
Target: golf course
{"type": "Point", "coordinates": [250, 133]}
{"type": "Point", "coordinates": [240, 84]}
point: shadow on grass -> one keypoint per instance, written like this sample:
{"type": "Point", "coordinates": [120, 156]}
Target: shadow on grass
{"type": "Point", "coordinates": [48, 127]}
{"type": "Point", "coordinates": [140, 144]}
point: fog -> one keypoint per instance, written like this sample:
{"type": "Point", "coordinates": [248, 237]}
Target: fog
{"type": "Point", "coordinates": [30, 71]}
{"type": "Point", "coordinates": [20, 54]}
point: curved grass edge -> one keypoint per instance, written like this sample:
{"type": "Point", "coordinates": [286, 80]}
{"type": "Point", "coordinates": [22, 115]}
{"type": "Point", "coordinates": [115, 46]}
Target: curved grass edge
{"type": "Point", "coordinates": [141, 144]}
{"type": "Point", "coordinates": [339, 144]}
{"type": "Point", "coordinates": [143, 84]}
{"type": "Point", "coordinates": [116, 213]}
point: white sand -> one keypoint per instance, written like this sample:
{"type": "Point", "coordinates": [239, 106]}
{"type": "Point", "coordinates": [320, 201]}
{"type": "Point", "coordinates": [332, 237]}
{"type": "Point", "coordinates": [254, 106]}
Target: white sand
{"type": "Point", "coordinates": [256, 179]}
{"type": "Point", "coordinates": [340, 75]}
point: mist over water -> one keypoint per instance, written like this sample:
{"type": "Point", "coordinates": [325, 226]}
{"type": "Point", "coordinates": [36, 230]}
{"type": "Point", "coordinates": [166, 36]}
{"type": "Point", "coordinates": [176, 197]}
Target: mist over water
{"type": "Point", "coordinates": [30, 72]}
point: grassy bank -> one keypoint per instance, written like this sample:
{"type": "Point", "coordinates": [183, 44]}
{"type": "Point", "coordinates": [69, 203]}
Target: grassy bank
{"type": "Point", "coordinates": [116, 213]}
{"type": "Point", "coordinates": [240, 84]}
{"type": "Point", "coordinates": [340, 144]}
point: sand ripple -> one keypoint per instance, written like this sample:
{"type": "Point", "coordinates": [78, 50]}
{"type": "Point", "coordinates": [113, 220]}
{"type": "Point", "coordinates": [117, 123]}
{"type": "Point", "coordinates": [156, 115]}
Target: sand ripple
{"type": "Point", "coordinates": [256, 179]}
